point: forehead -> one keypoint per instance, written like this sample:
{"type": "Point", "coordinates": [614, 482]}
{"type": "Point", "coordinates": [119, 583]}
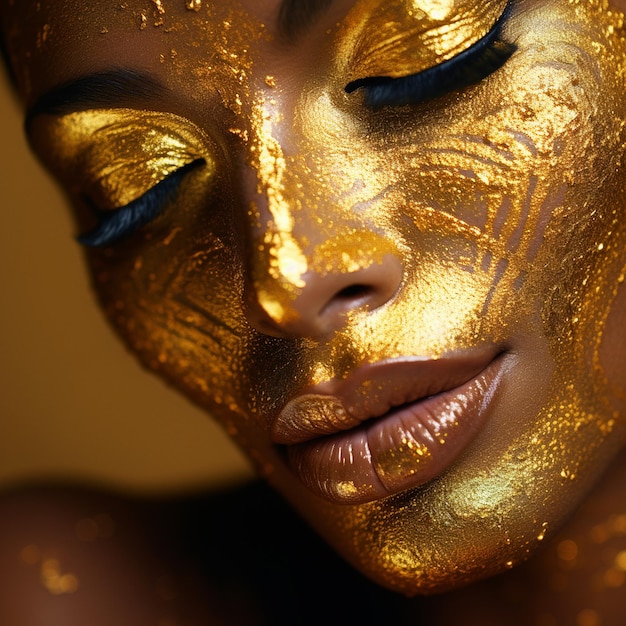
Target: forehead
{"type": "Point", "coordinates": [53, 41]}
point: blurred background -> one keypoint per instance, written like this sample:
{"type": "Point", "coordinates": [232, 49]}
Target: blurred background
{"type": "Point", "coordinates": [73, 403]}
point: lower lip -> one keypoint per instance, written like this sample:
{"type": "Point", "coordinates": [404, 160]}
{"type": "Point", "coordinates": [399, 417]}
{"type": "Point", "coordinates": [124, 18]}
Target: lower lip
{"type": "Point", "coordinates": [401, 450]}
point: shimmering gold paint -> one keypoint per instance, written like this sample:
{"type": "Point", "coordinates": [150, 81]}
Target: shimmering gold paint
{"type": "Point", "coordinates": [349, 251]}
{"type": "Point", "coordinates": [505, 203]}
{"type": "Point", "coordinates": [405, 460]}
{"type": "Point", "coordinates": [402, 37]}
{"type": "Point", "coordinates": [117, 155]}
{"type": "Point", "coordinates": [556, 213]}
{"type": "Point", "coordinates": [286, 250]}
{"type": "Point", "coordinates": [281, 253]}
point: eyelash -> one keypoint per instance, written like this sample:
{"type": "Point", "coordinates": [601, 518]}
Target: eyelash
{"type": "Point", "coordinates": [115, 225]}
{"type": "Point", "coordinates": [468, 68]}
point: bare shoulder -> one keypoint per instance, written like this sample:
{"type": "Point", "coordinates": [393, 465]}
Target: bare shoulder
{"type": "Point", "coordinates": [70, 555]}
{"type": "Point", "coordinates": [76, 556]}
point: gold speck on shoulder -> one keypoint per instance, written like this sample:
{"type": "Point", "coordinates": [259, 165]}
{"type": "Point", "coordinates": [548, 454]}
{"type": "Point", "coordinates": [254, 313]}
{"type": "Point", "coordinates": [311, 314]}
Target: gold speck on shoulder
{"type": "Point", "coordinates": [56, 582]}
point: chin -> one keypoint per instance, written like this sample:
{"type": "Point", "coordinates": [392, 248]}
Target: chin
{"type": "Point", "coordinates": [460, 528]}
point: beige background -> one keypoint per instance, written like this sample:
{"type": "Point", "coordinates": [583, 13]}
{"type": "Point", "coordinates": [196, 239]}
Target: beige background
{"type": "Point", "coordinates": [73, 403]}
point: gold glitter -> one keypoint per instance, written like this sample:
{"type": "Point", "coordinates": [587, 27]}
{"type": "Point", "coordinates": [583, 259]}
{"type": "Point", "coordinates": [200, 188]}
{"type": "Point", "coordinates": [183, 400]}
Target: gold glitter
{"type": "Point", "coordinates": [193, 5]}
{"type": "Point", "coordinates": [270, 81]}
{"type": "Point", "coordinates": [348, 489]}
{"type": "Point", "coordinates": [482, 197]}
{"type": "Point", "coordinates": [43, 35]}
{"type": "Point", "coordinates": [402, 37]}
{"type": "Point", "coordinates": [122, 153]}
{"type": "Point", "coordinates": [282, 255]}
{"type": "Point", "coordinates": [541, 536]}
{"type": "Point", "coordinates": [242, 134]}
{"type": "Point", "coordinates": [166, 242]}
{"type": "Point", "coordinates": [56, 582]}
{"type": "Point", "coordinates": [561, 434]}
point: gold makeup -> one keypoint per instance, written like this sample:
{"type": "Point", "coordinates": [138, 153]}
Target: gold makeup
{"type": "Point", "coordinates": [114, 156]}
{"type": "Point", "coordinates": [503, 201]}
{"type": "Point", "coordinates": [283, 258]}
{"type": "Point", "coordinates": [500, 251]}
{"type": "Point", "coordinates": [401, 37]}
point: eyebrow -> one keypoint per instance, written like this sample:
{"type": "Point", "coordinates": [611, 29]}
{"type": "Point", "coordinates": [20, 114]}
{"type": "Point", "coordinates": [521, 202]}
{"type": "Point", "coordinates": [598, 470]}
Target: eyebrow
{"type": "Point", "coordinates": [297, 15]}
{"type": "Point", "coordinates": [113, 88]}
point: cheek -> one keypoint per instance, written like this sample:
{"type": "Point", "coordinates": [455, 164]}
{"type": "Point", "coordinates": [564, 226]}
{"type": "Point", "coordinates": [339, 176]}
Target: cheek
{"type": "Point", "coordinates": [174, 296]}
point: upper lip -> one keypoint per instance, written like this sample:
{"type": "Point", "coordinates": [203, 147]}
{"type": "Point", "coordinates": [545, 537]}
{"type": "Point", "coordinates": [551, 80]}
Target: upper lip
{"type": "Point", "coordinates": [371, 391]}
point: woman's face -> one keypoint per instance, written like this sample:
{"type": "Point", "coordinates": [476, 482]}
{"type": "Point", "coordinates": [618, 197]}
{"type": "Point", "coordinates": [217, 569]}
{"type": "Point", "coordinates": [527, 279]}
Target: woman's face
{"type": "Point", "coordinates": [406, 306]}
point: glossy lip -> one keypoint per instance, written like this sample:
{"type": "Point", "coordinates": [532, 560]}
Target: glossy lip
{"type": "Point", "coordinates": [389, 426]}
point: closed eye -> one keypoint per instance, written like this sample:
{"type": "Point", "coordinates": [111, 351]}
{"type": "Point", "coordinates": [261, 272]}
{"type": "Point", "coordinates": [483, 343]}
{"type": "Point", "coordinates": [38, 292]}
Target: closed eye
{"type": "Point", "coordinates": [468, 68]}
{"type": "Point", "coordinates": [122, 222]}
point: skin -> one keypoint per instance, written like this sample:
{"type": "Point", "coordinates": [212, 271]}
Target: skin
{"type": "Point", "coordinates": [292, 186]}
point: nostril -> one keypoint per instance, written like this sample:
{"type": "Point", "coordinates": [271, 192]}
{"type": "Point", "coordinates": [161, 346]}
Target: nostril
{"type": "Point", "coordinates": [322, 304]}
{"type": "Point", "coordinates": [355, 292]}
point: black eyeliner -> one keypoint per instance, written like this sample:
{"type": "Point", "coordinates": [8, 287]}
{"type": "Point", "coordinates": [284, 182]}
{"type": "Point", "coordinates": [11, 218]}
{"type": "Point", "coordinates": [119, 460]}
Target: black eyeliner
{"type": "Point", "coordinates": [117, 224]}
{"type": "Point", "coordinates": [467, 68]}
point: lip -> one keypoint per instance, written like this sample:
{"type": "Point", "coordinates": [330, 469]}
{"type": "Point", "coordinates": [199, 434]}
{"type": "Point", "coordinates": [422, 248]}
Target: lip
{"type": "Point", "coordinates": [389, 426]}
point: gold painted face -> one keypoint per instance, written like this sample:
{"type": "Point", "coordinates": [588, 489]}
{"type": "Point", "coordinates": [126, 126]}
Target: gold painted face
{"type": "Point", "coordinates": [347, 261]}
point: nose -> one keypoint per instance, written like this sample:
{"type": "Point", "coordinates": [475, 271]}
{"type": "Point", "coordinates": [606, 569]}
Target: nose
{"type": "Point", "coordinates": [358, 272]}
